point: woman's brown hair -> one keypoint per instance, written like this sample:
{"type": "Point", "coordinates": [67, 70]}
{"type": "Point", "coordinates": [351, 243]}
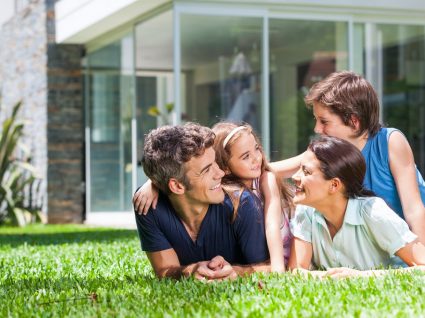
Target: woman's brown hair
{"type": "Point", "coordinates": [341, 159]}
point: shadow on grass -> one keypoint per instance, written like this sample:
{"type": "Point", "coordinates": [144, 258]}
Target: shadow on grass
{"type": "Point", "coordinates": [67, 237]}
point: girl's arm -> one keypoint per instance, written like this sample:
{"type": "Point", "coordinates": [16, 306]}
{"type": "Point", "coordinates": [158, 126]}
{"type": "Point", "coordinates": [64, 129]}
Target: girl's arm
{"type": "Point", "coordinates": [301, 254]}
{"type": "Point", "coordinates": [402, 165]}
{"type": "Point", "coordinates": [145, 197]}
{"type": "Point", "coordinates": [273, 220]}
{"type": "Point", "coordinates": [286, 168]}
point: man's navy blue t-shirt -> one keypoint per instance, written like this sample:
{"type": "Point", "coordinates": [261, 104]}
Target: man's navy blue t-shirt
{"type": "Point", "coordinates": [240, 242]}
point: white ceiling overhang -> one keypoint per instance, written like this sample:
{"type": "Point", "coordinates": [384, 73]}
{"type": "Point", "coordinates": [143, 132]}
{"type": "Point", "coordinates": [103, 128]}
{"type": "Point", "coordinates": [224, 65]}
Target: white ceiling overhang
{"type": "Point", "coordinates": [80, 21]}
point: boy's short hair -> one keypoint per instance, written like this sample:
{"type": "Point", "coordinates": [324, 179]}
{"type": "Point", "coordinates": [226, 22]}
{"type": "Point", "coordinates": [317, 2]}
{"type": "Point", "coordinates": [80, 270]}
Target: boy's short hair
{"type": "Point", "coordinates": [346, 94]}
{"type": "Point", "coordinates": [168, 148]}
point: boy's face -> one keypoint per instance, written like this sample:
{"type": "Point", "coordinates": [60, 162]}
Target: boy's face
{"type": "Point", "coordinates": [330, 124]}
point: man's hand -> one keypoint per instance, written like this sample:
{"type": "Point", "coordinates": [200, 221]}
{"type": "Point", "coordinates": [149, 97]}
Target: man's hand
{"type": "Point", "coordinates": [145, 197]}
{"type": "Point", "coordinates": [215, 269]}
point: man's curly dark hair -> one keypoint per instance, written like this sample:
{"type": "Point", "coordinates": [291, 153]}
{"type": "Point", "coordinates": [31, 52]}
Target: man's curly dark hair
{"type": "Point", "coordinates": [168, 148]}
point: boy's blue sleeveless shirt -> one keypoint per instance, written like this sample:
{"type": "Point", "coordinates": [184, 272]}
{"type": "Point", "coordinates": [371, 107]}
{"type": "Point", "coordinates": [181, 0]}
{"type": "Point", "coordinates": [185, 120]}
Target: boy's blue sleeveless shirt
{"type": "Point", "coordinates": [378, 176]}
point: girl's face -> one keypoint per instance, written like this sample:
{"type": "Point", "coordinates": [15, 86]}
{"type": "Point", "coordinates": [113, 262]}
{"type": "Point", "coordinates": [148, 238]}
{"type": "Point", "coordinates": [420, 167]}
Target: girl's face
{"type": "Point", "coordinates": [330, 124]}
{"type": "Point", "coordinates": [245, 159]}
{"type": "Point", "coordinates": [311, 188]}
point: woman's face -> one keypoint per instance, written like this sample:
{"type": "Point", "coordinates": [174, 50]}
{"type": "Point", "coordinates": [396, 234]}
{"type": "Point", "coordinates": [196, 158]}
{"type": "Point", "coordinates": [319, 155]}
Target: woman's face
{"type": "Point", "coordinates": [311, 188]}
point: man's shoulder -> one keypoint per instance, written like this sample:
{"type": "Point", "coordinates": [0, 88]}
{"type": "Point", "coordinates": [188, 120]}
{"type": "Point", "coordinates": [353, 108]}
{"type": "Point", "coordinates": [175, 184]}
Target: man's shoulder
{"type": "Point", "coordinates": [163, 210]}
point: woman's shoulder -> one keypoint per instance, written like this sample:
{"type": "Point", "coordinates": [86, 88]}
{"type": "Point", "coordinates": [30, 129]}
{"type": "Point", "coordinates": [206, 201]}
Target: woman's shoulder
{"type": "Point", "coordinates": [373, 208]}
{"type": "Point", "coordinates": [304, 211]}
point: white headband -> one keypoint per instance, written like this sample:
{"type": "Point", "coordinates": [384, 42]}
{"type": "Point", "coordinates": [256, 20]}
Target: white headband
{"type": "Point", "coordinates": [231, 134]}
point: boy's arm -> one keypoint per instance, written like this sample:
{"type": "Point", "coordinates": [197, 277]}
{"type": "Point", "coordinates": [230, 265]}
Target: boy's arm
{"type": "Point", "coordinates": [273, 220]}
{"type": "Point", "coordinates": [402, 165]}
{"type": "Point", "coordinates": [286, 168]}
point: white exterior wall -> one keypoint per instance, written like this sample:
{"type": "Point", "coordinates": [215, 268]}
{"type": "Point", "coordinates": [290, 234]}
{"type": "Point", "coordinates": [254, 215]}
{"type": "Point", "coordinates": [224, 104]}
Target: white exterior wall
{"type": "Point", "coordinates": [7, 11]}
{"type": "Point", "coordinates": [80, 21]}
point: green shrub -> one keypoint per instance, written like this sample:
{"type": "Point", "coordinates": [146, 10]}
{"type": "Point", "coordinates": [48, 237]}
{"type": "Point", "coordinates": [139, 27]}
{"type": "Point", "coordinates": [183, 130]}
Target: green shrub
{"type": "Point", "coordinates": [18, 177]}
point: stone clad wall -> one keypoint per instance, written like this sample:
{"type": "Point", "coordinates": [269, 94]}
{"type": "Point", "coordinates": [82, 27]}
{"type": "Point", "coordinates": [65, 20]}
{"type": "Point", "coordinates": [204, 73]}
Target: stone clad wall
{"type": "Point", "coordinates": [47, 77]}
{"type": "Point", "coordinates": [65, 128]}
{"type": "Point", "coordinates": [23, 64]}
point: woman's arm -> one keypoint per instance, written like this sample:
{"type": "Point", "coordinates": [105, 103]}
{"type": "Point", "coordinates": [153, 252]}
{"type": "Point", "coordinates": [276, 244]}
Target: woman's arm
{"type": "Point", "coordinates": [273, 220]}
{"type": "Point", "coordinates": [413, 254]}
{"type": "Point", "coordinates": [286, 168]}
{"type": "Point", "coordinates": [402, 165]}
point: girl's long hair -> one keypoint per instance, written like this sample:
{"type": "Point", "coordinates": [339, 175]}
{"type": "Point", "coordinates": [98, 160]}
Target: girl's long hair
{"type": "Point", "coordinates": [232, 184]}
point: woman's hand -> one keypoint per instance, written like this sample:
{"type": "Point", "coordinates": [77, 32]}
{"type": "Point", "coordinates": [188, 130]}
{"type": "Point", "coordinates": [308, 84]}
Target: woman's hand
{"type": "Point", "coordinates": [145, 198]}
{"type": "Point", "coordinates": [344, 272]}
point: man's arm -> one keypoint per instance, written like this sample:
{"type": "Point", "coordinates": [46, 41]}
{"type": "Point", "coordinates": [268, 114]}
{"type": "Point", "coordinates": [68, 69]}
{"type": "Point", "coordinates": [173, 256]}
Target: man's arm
{"type": "Point", "coordinates": [166, 264]}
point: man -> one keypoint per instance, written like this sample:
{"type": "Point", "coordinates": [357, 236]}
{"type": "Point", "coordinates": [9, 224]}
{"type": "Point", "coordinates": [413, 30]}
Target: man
{"type": "Point", "coordinates": [191, 230]}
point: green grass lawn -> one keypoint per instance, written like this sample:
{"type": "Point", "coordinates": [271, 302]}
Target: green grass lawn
{"type": "Point", "coordinates": [56, 271]}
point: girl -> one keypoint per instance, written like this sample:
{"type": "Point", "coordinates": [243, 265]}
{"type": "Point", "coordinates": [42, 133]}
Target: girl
{"type": "Point", "coordinates": [240, 156]}
{"type": "Point", "coordinates": [340, 224]}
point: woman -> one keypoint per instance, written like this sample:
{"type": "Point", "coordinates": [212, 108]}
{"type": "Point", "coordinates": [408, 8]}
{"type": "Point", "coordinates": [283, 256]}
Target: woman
{"type": "Point", "coordinates": [340, 224]}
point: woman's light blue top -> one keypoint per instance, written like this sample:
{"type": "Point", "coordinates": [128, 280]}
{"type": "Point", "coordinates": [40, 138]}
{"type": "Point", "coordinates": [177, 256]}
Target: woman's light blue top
{"type": "Point", "coordinates": [370, 235]}
{"type": "Point", "coordinates": [378, 176]}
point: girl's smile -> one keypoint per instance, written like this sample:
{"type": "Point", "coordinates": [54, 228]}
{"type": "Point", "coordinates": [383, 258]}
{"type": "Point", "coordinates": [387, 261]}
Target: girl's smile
{"type": "Point", "coordinates": [246, 159]}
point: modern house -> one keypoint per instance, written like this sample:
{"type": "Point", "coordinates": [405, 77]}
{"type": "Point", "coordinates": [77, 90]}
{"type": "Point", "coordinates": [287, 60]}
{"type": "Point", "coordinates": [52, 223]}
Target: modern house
{"type": "Point", "coordinates": [97, 75]}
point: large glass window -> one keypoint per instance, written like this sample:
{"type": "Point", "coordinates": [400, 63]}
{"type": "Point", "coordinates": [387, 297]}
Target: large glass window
{"type": "Point", "coordinates": [301, 53]}
{"type": "Point", "coordinates": [398, 59]}
{"type": "Point", "coordinates": [154, 78]}
{"type": "Point", "coordinates": [221, 69]}
{"type": "Point", "coordinates": [109, 113]}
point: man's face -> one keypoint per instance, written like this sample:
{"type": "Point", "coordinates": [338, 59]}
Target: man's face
{"type": "Point", "coordinates": [204, 177]}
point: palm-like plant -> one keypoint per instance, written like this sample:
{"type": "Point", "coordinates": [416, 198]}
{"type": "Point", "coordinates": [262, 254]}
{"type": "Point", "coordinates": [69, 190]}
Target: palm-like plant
{"type": "Point", "coordinates": [17, 175]}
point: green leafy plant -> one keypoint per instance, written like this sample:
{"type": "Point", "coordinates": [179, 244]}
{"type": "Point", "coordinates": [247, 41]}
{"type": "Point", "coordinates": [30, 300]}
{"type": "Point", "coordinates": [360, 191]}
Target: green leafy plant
{"type": "Point", "coordinates": [18, 177]}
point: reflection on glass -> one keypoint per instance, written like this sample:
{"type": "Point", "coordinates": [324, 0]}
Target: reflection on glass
{"type": "Point", "coordinates": [154, 78]}
{"type": "Point", "coordinates": [301, 53]}
{"type": "Point", "coordinates": [401, 60]}
{"type": "Point", "coordinates": [221, 69]}
{"type": "Point", "coordinates": [110, 105]}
